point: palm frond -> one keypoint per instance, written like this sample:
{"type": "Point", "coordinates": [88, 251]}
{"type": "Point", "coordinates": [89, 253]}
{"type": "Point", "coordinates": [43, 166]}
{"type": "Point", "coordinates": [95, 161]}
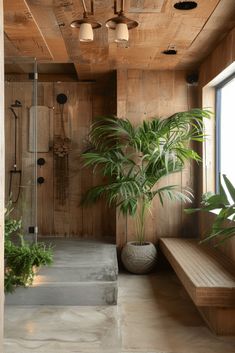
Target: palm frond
{"type": "Point", "coordinates": [223, 226]}
{"type": "Point", "coordinates": [136, 158]}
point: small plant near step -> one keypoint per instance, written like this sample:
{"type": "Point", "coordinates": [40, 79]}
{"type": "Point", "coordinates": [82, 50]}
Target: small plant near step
{"type": "Point", "coordinates": [223, 227]}
{"type": "Point", "coordinates": [21, 257]}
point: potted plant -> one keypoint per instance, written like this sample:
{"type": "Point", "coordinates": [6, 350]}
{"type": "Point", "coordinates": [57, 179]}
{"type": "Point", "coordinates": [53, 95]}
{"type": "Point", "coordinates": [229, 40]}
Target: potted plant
{"type": "Point", "coordinates": [134, 160]}
{"type": "Point", "coordinates": [223, 203]}
{"type": "Point", "coordinates": [22, 259]}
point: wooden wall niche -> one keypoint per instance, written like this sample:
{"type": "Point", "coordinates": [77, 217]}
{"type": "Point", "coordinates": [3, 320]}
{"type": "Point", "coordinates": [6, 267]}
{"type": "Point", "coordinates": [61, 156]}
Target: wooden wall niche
{"type": "Point", "coordinates": [142, 95]}
{"type": "Point", "coordinates": [85, 101]}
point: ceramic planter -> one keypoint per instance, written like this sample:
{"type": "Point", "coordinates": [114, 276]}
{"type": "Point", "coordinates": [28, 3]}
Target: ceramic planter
{"type": "Point", "coordinates": [139, 259]}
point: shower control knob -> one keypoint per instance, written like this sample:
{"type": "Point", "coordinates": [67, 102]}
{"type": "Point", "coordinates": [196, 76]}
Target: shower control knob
{"type": "Point", "coordinates": [41, 161]}
{"type": "Point", "coordinates": [40, 180]}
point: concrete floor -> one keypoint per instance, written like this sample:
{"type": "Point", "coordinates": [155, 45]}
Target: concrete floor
{"type": "Point", "coordinates": [154, 315]}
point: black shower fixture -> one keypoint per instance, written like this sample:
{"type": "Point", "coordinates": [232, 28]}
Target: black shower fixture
{"type": "Point", "coordinates": [61, 98]}
{"type": "Point", "coordinates": [41, 161]}
{"type": "Point", "coordinates": [170, 52]}
{"type": "Point", "coordinates": [17, 104]}
{"type": "Point", "coordinates": [15, 172]}
{"type": "Point", "coordinates": [185, 5]}
{"type": "Point", "coordinates": [40, 180]}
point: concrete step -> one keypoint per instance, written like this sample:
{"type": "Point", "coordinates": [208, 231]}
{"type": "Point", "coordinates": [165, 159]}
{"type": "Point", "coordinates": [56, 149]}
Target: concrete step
{"type": "Point", "coordinates": [62, 293]}
{"type": "Point", "coordinates": [79, 274]}
{"type": "Point", "coordinates": [83, 273]}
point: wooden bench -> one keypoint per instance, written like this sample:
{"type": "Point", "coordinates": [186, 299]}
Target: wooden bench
{"type": "Point", "coordinates": [209, 279]}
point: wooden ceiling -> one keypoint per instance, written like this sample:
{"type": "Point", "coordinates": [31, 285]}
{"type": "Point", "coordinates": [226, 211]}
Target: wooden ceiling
{"type": "Point", "coordinates": [41, 29]}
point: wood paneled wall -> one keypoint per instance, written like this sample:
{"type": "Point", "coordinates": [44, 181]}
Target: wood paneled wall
{"type": "Point", "coordinates": [85, 101]}
{"type": "Point", "coordinates": [216, 67]}
{"type": "Point", "coordinates": [219, 59]}
{"type": "Point", "coordinates": [142, 95]}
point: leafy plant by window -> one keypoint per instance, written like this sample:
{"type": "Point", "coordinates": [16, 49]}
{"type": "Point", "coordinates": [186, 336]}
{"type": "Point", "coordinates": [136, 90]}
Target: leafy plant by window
{"type": "Point", "coordinates": [21, 257]}
{"type": "Point", "coordinates": [223, 227]}
{"type": "Point", "coordinates": [135, 159]}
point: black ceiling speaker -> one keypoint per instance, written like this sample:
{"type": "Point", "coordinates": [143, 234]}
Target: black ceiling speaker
{"type": "Point", "coordinates": [192, 78]}
{"type": "Point", "coordinates": [170, 52]}
{"type": "Point", "coordinates": [185, 5]}
{"type": "Point", "coordinates": [61, 98]}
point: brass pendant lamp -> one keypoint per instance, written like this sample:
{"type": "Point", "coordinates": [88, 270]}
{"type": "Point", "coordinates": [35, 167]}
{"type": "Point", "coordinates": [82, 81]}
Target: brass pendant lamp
{"type": "Point", "coordinates": [86, 24]}
{"type": "Point", "coordinates": [121, 24]}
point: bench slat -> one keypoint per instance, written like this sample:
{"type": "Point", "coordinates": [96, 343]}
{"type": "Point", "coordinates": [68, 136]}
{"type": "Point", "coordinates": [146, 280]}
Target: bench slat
{"type": "Point", "coordinates": [206, 274]}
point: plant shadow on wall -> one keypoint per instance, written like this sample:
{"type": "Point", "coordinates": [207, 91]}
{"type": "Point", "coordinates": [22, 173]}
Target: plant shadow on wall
{"type": "Point", "coordinates": [135, 159]}
{"type": "Point", "coordinates": [21, 257]}
{"type": "Point", "coordinates": [223, 227]}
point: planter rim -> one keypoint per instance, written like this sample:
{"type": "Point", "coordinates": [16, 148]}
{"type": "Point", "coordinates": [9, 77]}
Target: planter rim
{"type": "Point", "coordinates": [135, 243]}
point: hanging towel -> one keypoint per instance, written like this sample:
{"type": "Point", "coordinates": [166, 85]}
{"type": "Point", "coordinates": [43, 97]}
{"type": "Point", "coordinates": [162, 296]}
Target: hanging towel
{"type": "Point", "coordinates": [39, 127]}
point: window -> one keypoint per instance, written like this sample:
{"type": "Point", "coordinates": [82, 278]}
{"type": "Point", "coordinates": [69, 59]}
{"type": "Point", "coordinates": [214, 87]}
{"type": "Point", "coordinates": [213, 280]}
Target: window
{"type": "Point", "coordinates": [225, 130]}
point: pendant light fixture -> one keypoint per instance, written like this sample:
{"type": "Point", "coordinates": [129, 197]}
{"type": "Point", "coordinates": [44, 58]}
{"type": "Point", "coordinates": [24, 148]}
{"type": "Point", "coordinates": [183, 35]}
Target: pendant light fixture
{"type": "Point", "coordinates": [86, 24]}
{"type": "Point", "coordinates": [121, 24]}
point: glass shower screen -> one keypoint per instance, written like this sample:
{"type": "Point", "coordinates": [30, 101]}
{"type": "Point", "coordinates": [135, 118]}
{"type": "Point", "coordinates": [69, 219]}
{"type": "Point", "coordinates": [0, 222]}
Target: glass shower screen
{"type": "Point", "coordinates": [21, 141]}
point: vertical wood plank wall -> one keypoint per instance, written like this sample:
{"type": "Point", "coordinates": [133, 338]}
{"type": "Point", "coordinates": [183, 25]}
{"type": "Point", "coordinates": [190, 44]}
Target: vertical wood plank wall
{"type": "Point", "coordinates": [2, 178]}
{"type": "Point", "coordinates": [85, 101]}
{"type": "Point", "coordinates": [217, 62]}
{"type": "Point", "coordinates": [142, 95]}
{"type": "Point", "coordinates": [219, 59]}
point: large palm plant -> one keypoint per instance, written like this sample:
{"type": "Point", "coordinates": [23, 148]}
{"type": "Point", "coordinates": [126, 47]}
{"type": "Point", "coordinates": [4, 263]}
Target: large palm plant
{"type": "Point", "coordinates": [135, 159]}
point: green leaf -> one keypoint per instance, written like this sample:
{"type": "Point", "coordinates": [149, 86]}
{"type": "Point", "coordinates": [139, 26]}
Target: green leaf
{"type": "Point", "coordinates": [230, 187]}
{"type": "Point", "coordinates": [136, 158]}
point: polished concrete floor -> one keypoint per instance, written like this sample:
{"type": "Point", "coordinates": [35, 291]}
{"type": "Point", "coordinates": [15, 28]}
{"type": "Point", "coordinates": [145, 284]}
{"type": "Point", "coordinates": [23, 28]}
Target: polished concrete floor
{"type": "Point", "coordinates": [154, 315]}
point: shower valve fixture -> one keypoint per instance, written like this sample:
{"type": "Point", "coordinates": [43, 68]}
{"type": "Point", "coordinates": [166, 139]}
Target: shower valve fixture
{"type": "Point", "coordinates": [40, 180]}
{"type": "Point", "coordinates": [41, 161]}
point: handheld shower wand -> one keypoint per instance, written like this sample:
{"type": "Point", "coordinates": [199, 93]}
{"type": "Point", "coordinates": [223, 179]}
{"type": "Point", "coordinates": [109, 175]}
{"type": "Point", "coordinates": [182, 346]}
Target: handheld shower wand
{"type": "Point", "coordinates": [15, 171]}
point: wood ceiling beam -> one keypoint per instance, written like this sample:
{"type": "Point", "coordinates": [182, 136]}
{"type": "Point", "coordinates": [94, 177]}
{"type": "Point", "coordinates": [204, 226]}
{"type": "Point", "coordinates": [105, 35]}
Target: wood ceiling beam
{"type": "Point", "coordinates": [23, 31]}
{"type": "Point", "coordinates": [43, 13]}
{"type": "Point", "coordinates": [41, 77]}
{"type": "Point", "coordinates": [82, 72]}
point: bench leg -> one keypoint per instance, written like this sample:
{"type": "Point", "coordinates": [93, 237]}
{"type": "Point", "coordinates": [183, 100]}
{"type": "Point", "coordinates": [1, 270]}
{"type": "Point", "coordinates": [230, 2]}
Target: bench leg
{"type": "Point", "coordinates": [220, 320]}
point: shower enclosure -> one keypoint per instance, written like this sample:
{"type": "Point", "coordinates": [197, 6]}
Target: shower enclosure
{"type": "Point", "coordinates": [21, 141]}
{"type": "Point", "coordinates": [47, 125]}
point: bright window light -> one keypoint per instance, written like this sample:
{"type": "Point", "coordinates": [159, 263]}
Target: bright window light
{"type": "Point", "coordinates": [226, 130]}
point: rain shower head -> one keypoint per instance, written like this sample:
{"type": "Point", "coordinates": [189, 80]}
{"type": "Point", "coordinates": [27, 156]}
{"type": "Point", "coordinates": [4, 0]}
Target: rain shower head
{"type": "Point", "coordinates": [17, 104]}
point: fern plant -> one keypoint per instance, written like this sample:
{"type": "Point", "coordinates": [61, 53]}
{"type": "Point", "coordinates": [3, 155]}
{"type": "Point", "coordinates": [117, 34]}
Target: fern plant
{"type": "Point", "coordinates": [135, 159]}
{"type": "Point", "coordinates": [21, 257]}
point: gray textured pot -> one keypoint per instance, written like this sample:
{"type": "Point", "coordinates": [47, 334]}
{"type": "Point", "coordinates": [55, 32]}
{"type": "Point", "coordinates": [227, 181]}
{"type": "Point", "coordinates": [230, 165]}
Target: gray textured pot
{"type": "Point", "coordinates": [139, 259]}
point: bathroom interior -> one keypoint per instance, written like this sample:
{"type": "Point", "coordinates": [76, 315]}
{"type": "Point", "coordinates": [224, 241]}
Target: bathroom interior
{"type": "Point", "coordinates": [56, 87]}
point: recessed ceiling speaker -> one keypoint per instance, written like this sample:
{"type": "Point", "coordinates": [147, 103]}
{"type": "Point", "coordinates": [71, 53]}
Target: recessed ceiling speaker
{"type": "Point", "coordinates": [185, 5]}
{"type": "Point", "coordinates": [170, 52]}
{"type": "Point", "coordinates": [192, 78]}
